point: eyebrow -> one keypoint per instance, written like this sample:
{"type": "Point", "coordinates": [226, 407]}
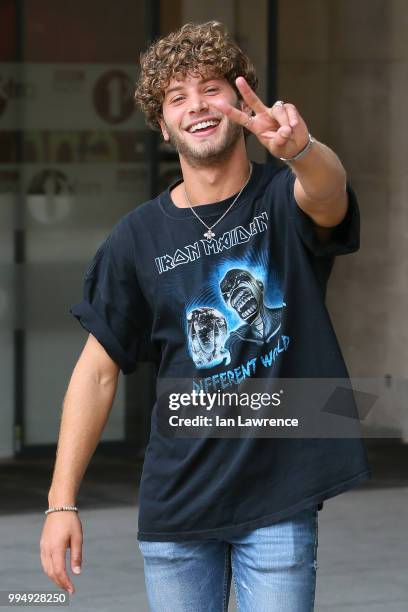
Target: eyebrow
{"type": "Point", "coordinates": [178, 87]}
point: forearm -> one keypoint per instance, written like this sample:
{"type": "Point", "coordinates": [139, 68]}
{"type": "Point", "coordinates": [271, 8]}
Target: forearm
{"type": "Point", "coordinates": [320, 172]}
{"type": "Point", "coordinates": [86, 409]}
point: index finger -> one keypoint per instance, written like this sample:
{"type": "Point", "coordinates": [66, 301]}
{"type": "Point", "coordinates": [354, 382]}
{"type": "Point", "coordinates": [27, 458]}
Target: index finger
{"type": "Point", "coordinates": [233, 113]}
{"type": "Point", "coordinates": [249, 95]}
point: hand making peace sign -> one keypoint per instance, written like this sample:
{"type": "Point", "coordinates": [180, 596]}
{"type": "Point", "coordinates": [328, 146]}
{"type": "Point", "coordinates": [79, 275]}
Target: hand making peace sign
{"type": "Point", "coordinates": [279, 128]}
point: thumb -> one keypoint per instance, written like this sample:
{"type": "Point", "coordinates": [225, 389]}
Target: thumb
{"type": "Point", "coordinates": [76, 554]}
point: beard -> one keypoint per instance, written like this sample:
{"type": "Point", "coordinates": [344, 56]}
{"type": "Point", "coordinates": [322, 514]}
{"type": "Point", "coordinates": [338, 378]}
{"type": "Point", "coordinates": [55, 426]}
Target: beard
{"type": "Point", "coordinates": [215, 149]}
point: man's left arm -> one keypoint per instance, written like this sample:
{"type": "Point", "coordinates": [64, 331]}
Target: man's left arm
{"type": "Point", "coordinates": [320, 188]}
{"type": "Point", "coordinates": [320, 185]}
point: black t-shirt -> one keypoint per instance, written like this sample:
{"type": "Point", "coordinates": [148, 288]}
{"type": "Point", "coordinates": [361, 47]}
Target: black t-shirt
{"type": "Point", "coordinates": [248, 303]}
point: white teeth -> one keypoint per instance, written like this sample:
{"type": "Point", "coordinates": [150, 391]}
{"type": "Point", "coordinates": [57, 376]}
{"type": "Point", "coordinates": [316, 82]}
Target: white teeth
{"type": "Point", "coordinates": [239, 298]}
{"type": "Point", "coordinates": [202, 125]}
{"type": "Point", "coordinates": [248, 311]}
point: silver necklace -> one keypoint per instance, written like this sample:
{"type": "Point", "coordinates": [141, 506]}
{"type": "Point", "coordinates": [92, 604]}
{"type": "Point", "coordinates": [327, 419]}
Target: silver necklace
{"type": "Point", "coordinates": [209, 234]}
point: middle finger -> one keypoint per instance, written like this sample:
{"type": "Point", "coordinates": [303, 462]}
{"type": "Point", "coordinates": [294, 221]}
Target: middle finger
{"type": "Point", "coordinates": [280, 114]}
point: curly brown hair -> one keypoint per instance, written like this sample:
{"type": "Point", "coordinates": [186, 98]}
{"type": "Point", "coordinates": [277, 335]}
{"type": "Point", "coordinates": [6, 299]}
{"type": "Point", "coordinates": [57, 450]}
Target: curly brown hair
{"type": "Point", "coordinates": [204, 49]}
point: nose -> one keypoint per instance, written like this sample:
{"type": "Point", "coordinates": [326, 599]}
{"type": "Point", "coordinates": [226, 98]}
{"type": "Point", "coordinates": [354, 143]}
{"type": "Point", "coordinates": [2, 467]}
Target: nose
{"type": "Point", "coordinates": [198, 103]}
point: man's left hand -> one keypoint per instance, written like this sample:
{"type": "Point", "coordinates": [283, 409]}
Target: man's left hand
{"type": "Point", "coordinates": [279, 128]}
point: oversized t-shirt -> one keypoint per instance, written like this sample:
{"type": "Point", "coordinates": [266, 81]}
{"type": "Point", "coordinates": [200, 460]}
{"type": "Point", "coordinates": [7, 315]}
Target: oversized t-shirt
{"type": "Point", "coordinates": [250, 302]}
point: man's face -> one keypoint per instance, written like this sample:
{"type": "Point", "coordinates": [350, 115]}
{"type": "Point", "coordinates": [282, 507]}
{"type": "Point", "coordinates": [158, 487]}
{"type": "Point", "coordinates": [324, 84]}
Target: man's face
{"type": "Point", "coordinates": [191, 103]}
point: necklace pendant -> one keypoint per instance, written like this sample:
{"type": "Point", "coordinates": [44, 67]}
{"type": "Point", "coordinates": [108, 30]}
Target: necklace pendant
{"type": "Point", "coordinates": [209, 235]}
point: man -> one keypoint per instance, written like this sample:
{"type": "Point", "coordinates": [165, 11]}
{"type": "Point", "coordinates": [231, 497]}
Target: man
{"type": "Point", "coordinates": [234, 253]}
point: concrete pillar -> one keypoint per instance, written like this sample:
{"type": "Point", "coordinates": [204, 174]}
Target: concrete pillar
{"type": "Point", "coordinates": [344, 64]}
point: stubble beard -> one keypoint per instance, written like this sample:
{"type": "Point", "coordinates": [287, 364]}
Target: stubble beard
{"type": "Point", "coordinates": [207, 153]}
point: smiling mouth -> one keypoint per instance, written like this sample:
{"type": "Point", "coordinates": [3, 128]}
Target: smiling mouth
{"type": "Point", "coordinates": [203, 132]}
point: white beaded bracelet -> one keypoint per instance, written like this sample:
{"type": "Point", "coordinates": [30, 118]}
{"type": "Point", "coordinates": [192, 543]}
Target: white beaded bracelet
{"type": "Point", "coordinates": [61, 508]}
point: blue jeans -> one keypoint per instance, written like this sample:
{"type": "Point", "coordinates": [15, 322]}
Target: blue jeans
{"type": "Point", "coordinates": [273, 569]}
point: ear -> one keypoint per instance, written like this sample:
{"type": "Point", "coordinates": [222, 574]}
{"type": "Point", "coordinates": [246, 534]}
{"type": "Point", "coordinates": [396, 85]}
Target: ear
{"type": "Point", "coordinates": [245, 108]}
{"type": "Point", "coordinates": [163, 128]}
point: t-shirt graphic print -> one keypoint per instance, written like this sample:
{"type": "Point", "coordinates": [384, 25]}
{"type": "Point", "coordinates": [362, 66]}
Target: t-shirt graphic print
{"type": "Point", "coordinates": [235, 308]}
{"type": "Point", "coordinates": [235, 321]}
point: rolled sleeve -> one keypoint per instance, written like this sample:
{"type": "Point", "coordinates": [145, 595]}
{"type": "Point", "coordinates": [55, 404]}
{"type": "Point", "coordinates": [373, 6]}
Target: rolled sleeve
{"type": "Point", "coordinates": [113, 308]}
{"type": "Point", "coordinates": [344, 238]}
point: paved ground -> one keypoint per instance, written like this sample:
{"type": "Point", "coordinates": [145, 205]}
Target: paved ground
{"type": "Point", "coordinates": [362, 554]}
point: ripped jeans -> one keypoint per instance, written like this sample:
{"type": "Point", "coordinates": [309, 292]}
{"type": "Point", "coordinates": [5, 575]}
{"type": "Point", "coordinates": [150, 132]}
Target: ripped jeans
{"type": "Point", "coordinates": [273, 569]}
